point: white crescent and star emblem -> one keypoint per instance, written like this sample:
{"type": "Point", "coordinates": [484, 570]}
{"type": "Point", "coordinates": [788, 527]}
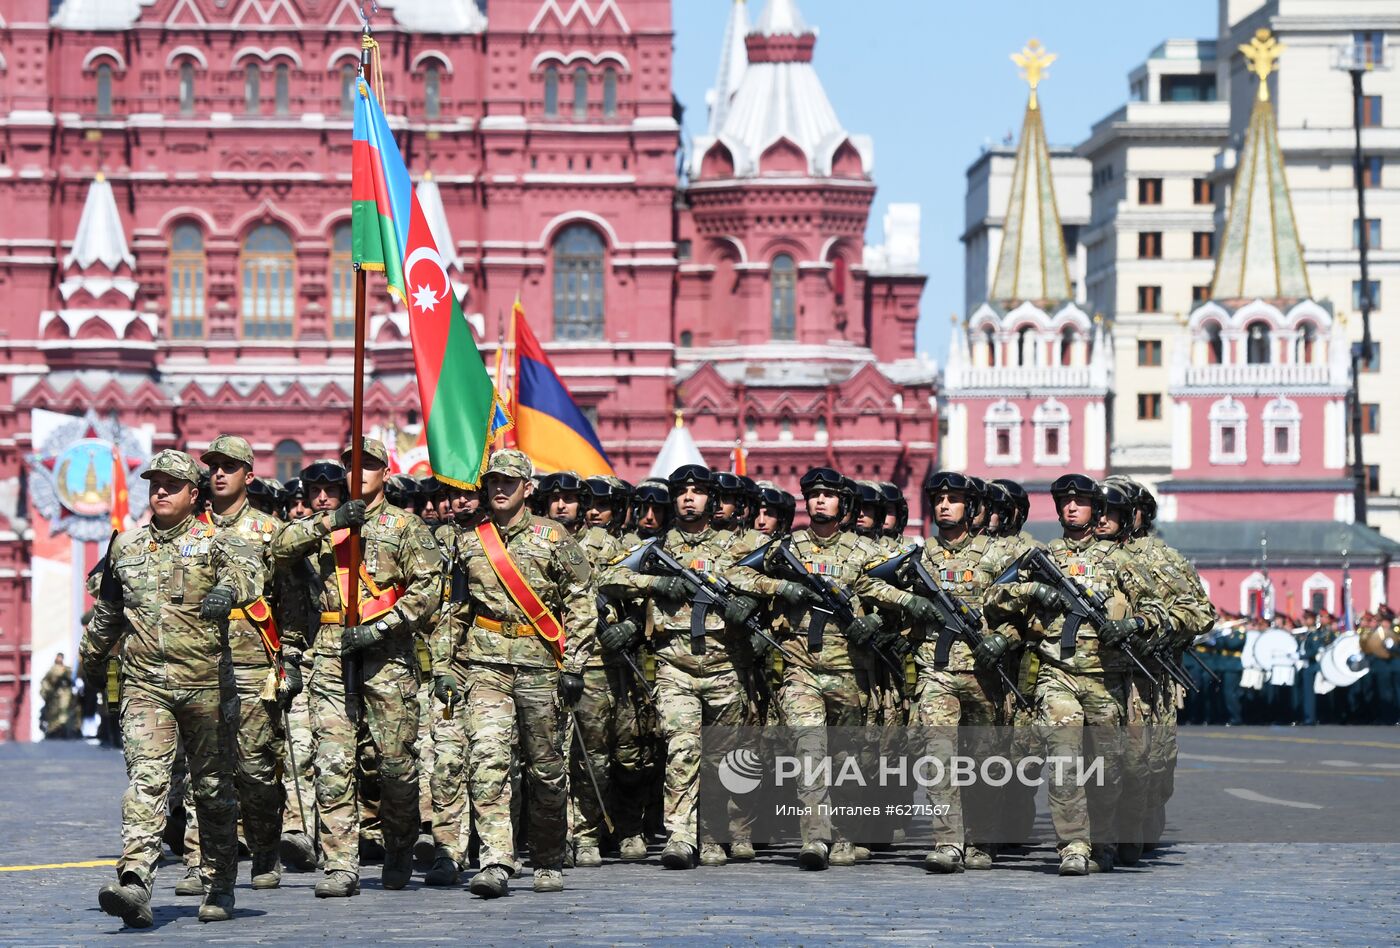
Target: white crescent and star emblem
{"type": "Point", "coordinates": [427, 293]}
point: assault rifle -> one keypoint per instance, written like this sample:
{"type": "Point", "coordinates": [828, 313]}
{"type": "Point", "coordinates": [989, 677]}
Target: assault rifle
{"type": "Point", "coordinates": [1085, 605]}
{"type": "Point", "coordinates": [962, 622]}
{"type": "Point", "coordinates": [837, 602]}
{"type": "Point", "coordinates": [707, 592]}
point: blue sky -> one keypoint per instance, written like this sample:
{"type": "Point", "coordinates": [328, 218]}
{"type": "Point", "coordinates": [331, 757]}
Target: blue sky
{"type": "Point", "coordinates": [931, 81]}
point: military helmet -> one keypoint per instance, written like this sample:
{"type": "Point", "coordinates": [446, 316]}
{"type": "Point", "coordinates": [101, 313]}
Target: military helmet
{"type": "Point", "coordinates": [896, 501]}
{"type": "Point", "coordinates": [1000, 503]}
{"type": "Point", "coordinates": [561, 482]}
{"type": "Point", "coordinates": [324, 472]}
{"type": "Point", "coordinates": [293, 490]}
{"type": "Point", "coordinates": [1019, 498]}
{"type": "Point", "coordinates": [956, 482]}
{"type": "Point", "coordinates": [1118, 497]}
{"type": "Point", "coordinates": [691, 474]}
{"type": "Point", "coordinates": [827, 478]}
{"type": "Point", "coordinates": [652, 493]}
{"type": "Point", "coordinates": [1078, 485]}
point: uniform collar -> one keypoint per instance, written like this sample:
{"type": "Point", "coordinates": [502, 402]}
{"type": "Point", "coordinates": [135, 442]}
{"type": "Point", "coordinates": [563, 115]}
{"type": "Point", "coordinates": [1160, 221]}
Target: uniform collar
{"type": "Point", "coordinates": [693, 539]}
{"type": "Point", "coordinates": [165, 536]}
{"type": "Point", "coordinates": [526, 521]}
{"type": "Point", "coordinates": [228, 520]}
{"type": "Point", "coordinates": [829, 541]}
{"type": "Point", "coordinates": [1079, 546]}
{"type": "Point", "coordinates": [954, 546]}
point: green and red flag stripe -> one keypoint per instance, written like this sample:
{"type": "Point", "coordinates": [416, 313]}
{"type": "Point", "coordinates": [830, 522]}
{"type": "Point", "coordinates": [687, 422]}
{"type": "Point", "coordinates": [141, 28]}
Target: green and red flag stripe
{"type": "Point", "coordinates": [461, 410]}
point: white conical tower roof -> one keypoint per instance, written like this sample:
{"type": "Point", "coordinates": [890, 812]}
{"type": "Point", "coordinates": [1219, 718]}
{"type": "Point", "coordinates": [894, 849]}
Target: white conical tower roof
{"type": "Point", "coordinates": [430, 199]}
{"type": "Point", "coordinates": [733, 60]}
{"type": "Point", "coordinates": [100, 238]}
{"type": "Point", "coordinates": [679, 448]}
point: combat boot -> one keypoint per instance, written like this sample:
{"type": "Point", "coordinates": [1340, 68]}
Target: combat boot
{"type": "Point", "coordinates": [1074, 864]}
{"type": "Point", "coordinates": [549, 880]}
{"type": "Point", "coordinates": [814, 856]}
{"type": "Point", "coordinates": [944, 860]}
{"type": "Point", "coordinates": [588, 857]}
{"type": "Point", "coordinates": [191, 884]}
{"type": "Point", "coordinates": [338, 884]}
{"type": "Point", "coordinates": [842, 854]}
{"type": "Point", "coordinates": [267, 871]}
{"type": "Point", "coordinates": [216, 907]}
{"type": "Point", "coordinates": [424, 850]}
{"type": "Point", "coordinates": [443, 873]}
{"type": "Point", "coordinates": [129, 900]}
{"type": "Point", "coordinates": [1101, 859]}
{"type": "Point", "coordinates": [298, 852]}
{"type": "Point", "coordinates": [398, 869]}
{"type": "Point", "coordinates": [1129, 853]}
{"type": "Point", "coordinates": [862, 853]}
{"type": "Point", "coordinates": [490, 883]}
{"type": "Point", "coordinates": [678, 855]}
{"type": "Point", "coordinates": [634, 849]}
{"type": "Point", "coordinates": [712, 854]}
{"type": "Point", "coordinates": [741, 849]}
{"type": "Point", "coordinates": [977, 857]}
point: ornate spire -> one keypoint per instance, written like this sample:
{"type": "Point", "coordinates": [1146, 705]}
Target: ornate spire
{"type": "Point", "coordinates": [100, 260]}
{"type": "Point", "coordinates": [1032, 264]}
{"type": "Point", "coordinates": [1260, 253]}
{"type": "Point", "coordinates": [733, 59]}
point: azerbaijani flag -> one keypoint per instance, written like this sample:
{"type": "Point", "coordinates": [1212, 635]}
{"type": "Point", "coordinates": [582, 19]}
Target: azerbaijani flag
{"type": "Point", "coordinates": [461, 412]}
{"type": "Point", "coordinates": [549, 426]}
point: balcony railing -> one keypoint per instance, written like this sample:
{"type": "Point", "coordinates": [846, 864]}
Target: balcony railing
{"type": "Point", "coordinates": [1268, 374]}
{"type": "Point", "coordinates": [1022, 376]}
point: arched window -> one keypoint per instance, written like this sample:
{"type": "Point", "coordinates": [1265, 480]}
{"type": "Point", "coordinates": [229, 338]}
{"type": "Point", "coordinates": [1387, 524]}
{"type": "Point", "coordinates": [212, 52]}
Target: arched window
{"type": "Point", "coordinates": [1024, 344]}
{"type": "Point", "coordinates": [1051, 422]}
{"type": "Point", "coordinates": [347, 89]}
{"type": "Point", "coordinates": [104, 89]}
{"type": "Point", "coordinates": [1002, 433]}
{"type": "Point", "coordinates": [1227, 432]}
{"type": "Point", "coordinates": [252, 90]}
{"type": "Point", "coordinates": [1307, 338]}
{"type": "Point", "coordinates": [580, 93]}
{"type": "Point", "coordinates": [186, 88]}
{"type": "Point", "coordinates": [282, 89]}
{"type": "Point", "coordinates": [288, 454]}
{"type": "Point", "coordinates": [268, 262]}
{"type": "Point", "coordinates": [1068, 338]}
{"type": "Point", "coordinates": [750, 427]}
{"type": "Point", "coordinates": [989, 337]}
{"type": "Point", "coordinates": [687, 339]}
{"type": "Point", "coordinates": [785, 427]}
{"type": "Point", "coordinates": [432, 91]}
{"type": "Point", "coordinates": [1282, 421]}
{"type": "Point", "coordinates": [1257, 343]}
{"type": "Point", "coordinates": [821, 434]}
{"type": "Point", "coordinates": [578, 283]}
{"type": "Point", "coordinates": [609, 92]}
{"type": "Point", "coordinates": [1215, 347]}
{"type": "Point", "coordinates": [187, 282]}
{"type": "Point", "coordinates": [342, 284]}
{"type": "Point", "coordinates": [783, 278]}
{"type": "Point", "coordinates": [551, 90]}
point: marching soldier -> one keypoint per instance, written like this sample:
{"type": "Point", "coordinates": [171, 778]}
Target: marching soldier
{"type": "Point", "coordinates": [165, 597]}
{"type": "Point", "coordinates": [60, 712]}
{"type": "Point", "coordinates": [532, 632]}
{"type": "Point", "coordinates": [1085, 688]}
{"type": "Point", "coordinates": [399, 583]}
{"type": "Point", "coordinates": [256, 649]}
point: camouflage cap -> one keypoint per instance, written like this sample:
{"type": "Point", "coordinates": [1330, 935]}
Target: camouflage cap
{"type": "Point", "coordinates": [372, 447]}
{"type": "Point", "coordinates": [230, 446]}
{"type": "Point", "coordinates": [511, 463]}
{"type": "Point", "coordinates": [175, 463]}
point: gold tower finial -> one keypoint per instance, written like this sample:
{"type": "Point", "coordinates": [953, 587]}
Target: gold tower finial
{"type": "Point", "coordinates": [1262, 53]}
{"type": "Point", "coordinates": [1033, 60]}
{"type": "Point", "coordinates": [680, 418]}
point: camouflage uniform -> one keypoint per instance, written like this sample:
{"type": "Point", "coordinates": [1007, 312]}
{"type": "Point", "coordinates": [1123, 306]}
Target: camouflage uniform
{"type": "Point", "coordinates": [59, 717]}
{"type": "Point", "coordinates": [259, 730]}
{"type": "Point", "coordinates": [512, 681]}
{"type": "Point", "coordinates": [448, 787]}
{"type": "Point", "coordinates": [961, 693]}
{"type": "Point", "coordinates": [694, 690]}
{"type": "Point", "coordinates": [177, 684]}
{"type": "Point", "coordinates": [1087, 688]}
{"type": "Point", "coordinates": [820, 687]}
{"type": "Point", "coordinates": [298, 614]}
{"type": "Point", "coordinates": [399, 554]}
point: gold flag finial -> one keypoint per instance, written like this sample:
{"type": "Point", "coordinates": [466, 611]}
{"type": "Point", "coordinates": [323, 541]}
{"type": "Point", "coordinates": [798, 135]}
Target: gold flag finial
{"type": "Point", "coordinates": [1262, 53]}
{"type": "Point", "coordinates": [1033, 60]}
{"type": "Point", "coordinates": [680, 418]}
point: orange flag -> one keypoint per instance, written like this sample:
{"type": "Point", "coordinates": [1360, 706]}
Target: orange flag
{"type": "Point", "coordinates": [121, 502]}
{"type": "Point", "coordinates": [741, 461]}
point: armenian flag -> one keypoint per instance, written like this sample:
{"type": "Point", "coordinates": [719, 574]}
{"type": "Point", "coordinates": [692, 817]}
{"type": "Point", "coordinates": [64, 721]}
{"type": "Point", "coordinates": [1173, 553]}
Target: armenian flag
{"type": "Point", "coordinates": [549, 426]}
{"type": "Point", "coordinates": [461, 412]}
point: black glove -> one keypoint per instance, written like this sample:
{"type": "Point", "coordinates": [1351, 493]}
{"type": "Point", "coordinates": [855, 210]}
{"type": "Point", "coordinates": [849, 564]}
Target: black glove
{"type": "Point", "coordinates": [670, 587]}
{"type": "Point", "coordinates": [796, 594]}
{"type": "Point", "coordinates": [446, 688]}
{"type": "Point", "coordinates": [349, 514]}
{"type": "Point", "coordinates": [891, 641]}
{"type": "Point", "coordinates": [359, 637]}
{"type": "Point", "coordinates": [1116, 632]}
{"type": "Point", "coordinates": [618, 637]}
{"type": "Point", "coordinates": [761, 646]}
{"type": "Point", "coordinates": [738, 609]}
{"type": "Point", "coordinates": [990, 650]}
{"type": "Point", "coordinates": [923, 611]}
{"type": "Point", "coordinates": [292, 684]}
{"type": "Point", "coordinates": [217, 603]}
{"type": "Point", "coordinates": [570, 688]}
{"type": "Point", "coordinates": [1049, 598]}
{"type": "Point", "coordinates": [863, 628]}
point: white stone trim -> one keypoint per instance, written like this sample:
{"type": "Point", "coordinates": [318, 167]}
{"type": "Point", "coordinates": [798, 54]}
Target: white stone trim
{"type": "Point", "coordinates": [568, 217]}
{"type": "Point", "coordinates": [1256, 580]}
{"type": "Point", "coordinates": [427, 54]}
{"type": "Point", "coordinates": [1324, 583]}
{"type": "Point", "coordinates": [334, 58]}
{"type": "Point", "coordinates": [97, 52]}
{"type": "Point", "coordinates": [1334, 438]}
{"type": "Point", "coordinates": [269, 55]}
{"type": "Point", "coordinates": [1002, 415]}
{"type": "Point", "coordinates": [196, 54]}
{"type": "Point", "coordinates": [580, 6]}
{"type": "Point", "coordinates": [1047, 416]}
{"type": "Point", "coordinates": [1282, 412]}
{"type": "Point", "coordinates": [568, 59]}
{"type": "Point", "coordinates": [1227, 412]}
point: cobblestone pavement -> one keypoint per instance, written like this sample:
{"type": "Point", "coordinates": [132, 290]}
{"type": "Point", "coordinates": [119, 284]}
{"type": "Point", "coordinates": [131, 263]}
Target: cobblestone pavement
{"type": "Point", "coordinates": [59, 803]}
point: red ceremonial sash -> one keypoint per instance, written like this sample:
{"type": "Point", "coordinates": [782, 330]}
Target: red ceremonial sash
{"type": "Point", "coordinates": [520, 590]}
{"type": "Point", "coordinates": [374, 601]}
